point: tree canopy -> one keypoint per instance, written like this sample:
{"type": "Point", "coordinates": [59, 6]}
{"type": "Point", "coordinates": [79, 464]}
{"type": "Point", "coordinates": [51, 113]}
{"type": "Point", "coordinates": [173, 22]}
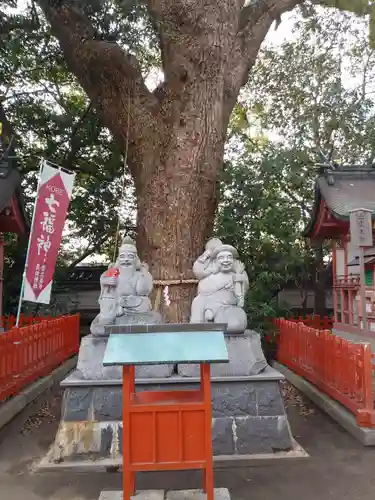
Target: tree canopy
{"type": "Point", "coordinates": [310, 101]}
{"type": "Point", "coordinates": [295, 111]}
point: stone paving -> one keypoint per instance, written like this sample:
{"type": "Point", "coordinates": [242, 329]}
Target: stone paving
{"type": "Point", "coordinates": [339, 468]}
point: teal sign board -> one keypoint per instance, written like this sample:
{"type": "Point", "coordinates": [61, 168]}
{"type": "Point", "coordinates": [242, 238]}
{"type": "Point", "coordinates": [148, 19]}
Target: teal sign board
{"type": "Point", "coordinates": [166, 348]}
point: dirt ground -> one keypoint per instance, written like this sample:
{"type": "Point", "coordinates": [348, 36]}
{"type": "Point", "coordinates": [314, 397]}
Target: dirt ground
{"type": "Point", "coordinates": [339, 468]}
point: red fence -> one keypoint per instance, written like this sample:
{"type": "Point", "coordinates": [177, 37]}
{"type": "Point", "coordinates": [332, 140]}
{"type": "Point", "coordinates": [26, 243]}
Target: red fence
{"type": "Point", "coordinates": [8, 322]}
{"type": "Point", "coordinates": [31, 352]}
{"type": "Point", "coordinates": [318, 322]}
{"type": "Point", "coordinates": [339, 368]}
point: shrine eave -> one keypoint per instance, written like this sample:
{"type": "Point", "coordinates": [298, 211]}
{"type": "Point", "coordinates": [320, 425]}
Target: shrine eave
{"type": "Point", "coordinates": [337, 193]}
{"type": "Point", "coordinates": [13, 217]}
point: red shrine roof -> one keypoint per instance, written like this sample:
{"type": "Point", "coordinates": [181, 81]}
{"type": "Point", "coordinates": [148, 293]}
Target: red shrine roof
{"type": "Point", "coordinates": [13, 218]}
{"type": "Point", "coordinates": [339, 190]}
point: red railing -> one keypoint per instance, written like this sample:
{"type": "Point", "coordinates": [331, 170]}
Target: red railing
{"type": "Point", "coordinates": [337, 367]}
{"type": "Point", "coordinates": [347, 282]}
{"type": "Point", "coordinates": [8, 322]}
{"type": "Point", "coordinates": [31, 352]}
{"type": "Point", "coordinates": [318, 322]}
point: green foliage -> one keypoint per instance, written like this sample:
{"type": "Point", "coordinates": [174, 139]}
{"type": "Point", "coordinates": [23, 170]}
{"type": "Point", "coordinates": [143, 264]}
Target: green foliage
{"type": "Point", "coordinates": [258, 215]}
{"type": "Point", "coordinates": [52, 118]}
{"type": "Point", "coordinates": [309, 101]}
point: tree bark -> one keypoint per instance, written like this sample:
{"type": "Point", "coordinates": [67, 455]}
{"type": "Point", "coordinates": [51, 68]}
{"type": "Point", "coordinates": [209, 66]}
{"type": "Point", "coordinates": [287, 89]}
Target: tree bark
{"type": "Point", "coordinates": [176, 208]}
{"type": "Point", "coordinates": [176, 135]}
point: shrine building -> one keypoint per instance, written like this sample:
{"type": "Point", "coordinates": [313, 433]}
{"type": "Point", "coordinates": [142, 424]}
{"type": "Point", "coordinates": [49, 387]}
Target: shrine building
{"type": "Point", "coordinates": [339, 191]}
{"type": "Point", "coordinates": [13, 218]}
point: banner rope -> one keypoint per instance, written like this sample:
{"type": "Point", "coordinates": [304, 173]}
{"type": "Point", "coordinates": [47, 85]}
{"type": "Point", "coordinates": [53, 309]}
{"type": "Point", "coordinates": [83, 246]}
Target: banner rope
{"type": "Point", "coordinates": [175, 282]}
{"type": "Point", "coordinates": [162, 287]}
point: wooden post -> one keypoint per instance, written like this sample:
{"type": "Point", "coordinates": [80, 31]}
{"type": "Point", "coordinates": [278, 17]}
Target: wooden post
{"type": "Point", "coordinates": [334, 291]}
{"type": "Point", "coordinates": [166, 430]}
{"type": "Point", "coordinates": [345, 242]}
{"type": "Point", "coordinates": [350, 307]}
{"type": "Point", "coordinates": [342, 306]}
{"type": "Point", "coordinates": [365, 415]}
{"type": "Point", "coordinates": [362, 288]}
{"type": "Point", "coordinates": [128, 476]}
{"type": "Point", "coordinates": [208, 470]}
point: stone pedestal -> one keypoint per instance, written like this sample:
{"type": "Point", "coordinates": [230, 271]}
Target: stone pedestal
{"type": "Point", "coordinates": [247, 405]}
{"type": "Point", "coordinates": [90, 363]}
{"type": "Point", "coordinates": [245, 354]}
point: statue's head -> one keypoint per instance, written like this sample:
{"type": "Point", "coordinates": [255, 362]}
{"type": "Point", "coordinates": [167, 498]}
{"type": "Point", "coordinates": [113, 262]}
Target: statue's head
{"type": "Point", "coordinates": [225, 256]}
{"type": "Point", "coordinates": [128, 255]}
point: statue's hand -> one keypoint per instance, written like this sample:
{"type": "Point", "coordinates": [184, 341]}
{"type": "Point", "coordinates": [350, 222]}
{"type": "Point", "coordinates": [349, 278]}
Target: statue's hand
{"type": "Point", "coordinates": [119, 311]}
{"type": "Point", "coordinates": [144, 266]}
{"type": "Point", "coordinates": [240, 302]}
{"type": "Point", "coordinates": [240, 267]}
{"type": "Point", "coordinates": [205, 256]}
{"type": "Point", "coordinates": [110, 280]}
{"type": "Point", "coordinates": [239, 278]}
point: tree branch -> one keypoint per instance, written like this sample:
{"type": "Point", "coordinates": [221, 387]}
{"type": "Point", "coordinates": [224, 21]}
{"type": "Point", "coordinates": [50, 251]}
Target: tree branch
{"type": "Point", "coordinates": [358, 7]}
{"type": "Point", "coordinates": [74, 143]}
{"type": "Point", "coordinates": [7, 128]}
{"type": "Point", "coordinates": [110, 76]}
{"type": "Point", "coordinates": [90, 249]}
{"type": "Point", "coordinates": [12, 23]}
{"type": "Point", "coordinates": [254, 22]}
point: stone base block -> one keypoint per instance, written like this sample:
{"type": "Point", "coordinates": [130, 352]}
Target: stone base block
{"type": "Point", "coordinates": [248, 418]}
{"type": "Point", "coordinates": [90, 363]}
{"type": "Point", "coordinates": [219, 494]}
{"type": "Point", "coordinates": [149, 318]}
{"type": "Point", "coordinates": [245, 358]}
{"type": "Point", "coordinates": [100, 323]}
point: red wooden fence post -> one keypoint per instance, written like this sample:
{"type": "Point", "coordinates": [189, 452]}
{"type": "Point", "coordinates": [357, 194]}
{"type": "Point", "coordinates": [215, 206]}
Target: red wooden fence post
{"type": "Point", "coordinates": [365, 415]}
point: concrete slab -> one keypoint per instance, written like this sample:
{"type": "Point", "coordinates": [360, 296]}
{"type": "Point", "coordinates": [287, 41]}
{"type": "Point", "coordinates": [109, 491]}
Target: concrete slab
{"type": "Point", "coordinates": [334, 409]}
{"type": "Point", "coordinates": [140, 495]}
{"type": "Point", "coordinates": [219, 494]}
{"type": "Point", "coordinates": [76, 379]}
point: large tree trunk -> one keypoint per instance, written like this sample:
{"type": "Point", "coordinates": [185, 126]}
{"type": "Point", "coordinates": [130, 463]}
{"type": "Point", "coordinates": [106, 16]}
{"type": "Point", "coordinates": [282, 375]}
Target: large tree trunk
{"type": "Point", "coordinates": [176, 208]}
{"type": "Point", "coordinates": [177, 133]}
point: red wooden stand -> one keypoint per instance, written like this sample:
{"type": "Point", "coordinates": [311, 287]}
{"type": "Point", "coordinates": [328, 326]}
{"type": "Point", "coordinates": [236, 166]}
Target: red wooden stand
{"type": "Point", "coordinates": [166, 430]}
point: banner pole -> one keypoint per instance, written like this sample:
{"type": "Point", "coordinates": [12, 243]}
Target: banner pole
{"type": "Point", "coordinates": [28, 246]}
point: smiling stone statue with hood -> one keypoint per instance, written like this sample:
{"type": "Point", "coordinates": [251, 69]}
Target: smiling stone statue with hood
{"type": "Point", "coordinates": [125, 290]}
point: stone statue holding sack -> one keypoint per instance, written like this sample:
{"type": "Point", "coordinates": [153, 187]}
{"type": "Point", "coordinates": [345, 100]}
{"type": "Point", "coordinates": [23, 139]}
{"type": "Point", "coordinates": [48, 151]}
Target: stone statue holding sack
{"type": "Point", "coordinates": [125, 290]}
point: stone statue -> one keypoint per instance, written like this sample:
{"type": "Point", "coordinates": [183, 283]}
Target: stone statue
{"type": "Point", "coordinates": [222, 286]}
{"type": "Point", "coordinates": [125, 290]}
{"type": "Point", "coordinates": [204, 266]}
